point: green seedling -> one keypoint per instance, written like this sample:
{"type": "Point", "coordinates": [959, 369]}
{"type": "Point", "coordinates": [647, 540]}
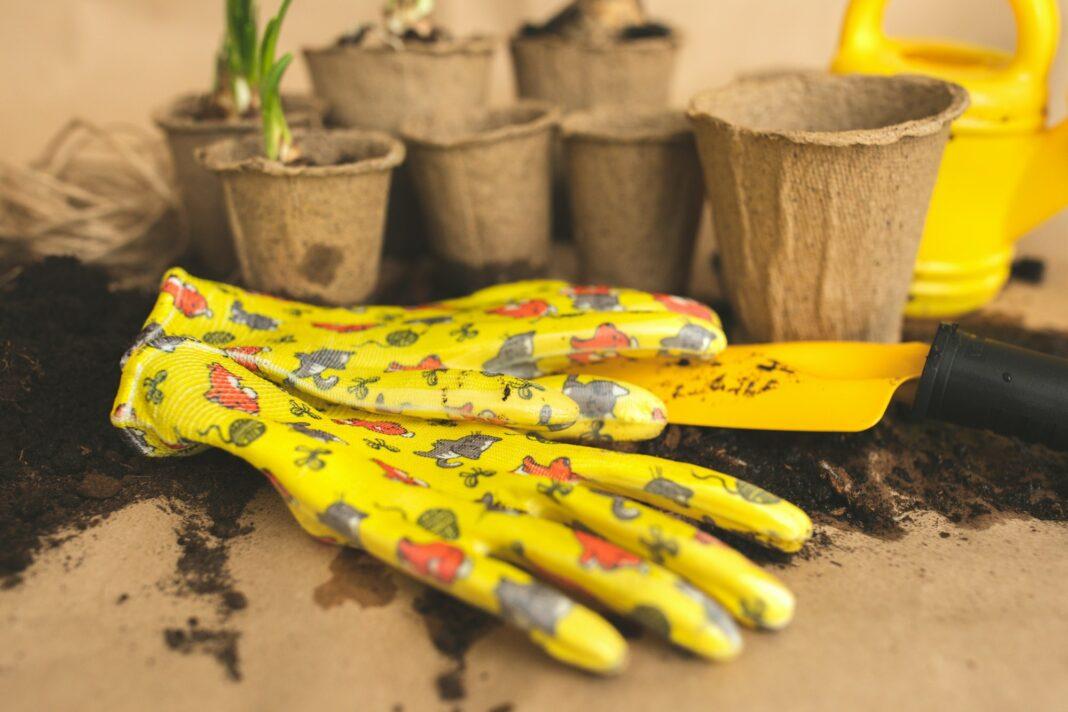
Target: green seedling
{"type": "Point", "coordinates": [245, 59]}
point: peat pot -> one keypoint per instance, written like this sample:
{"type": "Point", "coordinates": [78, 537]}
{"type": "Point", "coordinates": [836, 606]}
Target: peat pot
{"type": "Point", "coordinates": [819, 187]}
{"type": "Point", "coordinates": [311, 230]}
{"type": "Point", "coordinates": [201, 196]}
{"type": "Point", "coordinates": [635, 190]}
{"type": "Point", "coordinates": [483, 181]}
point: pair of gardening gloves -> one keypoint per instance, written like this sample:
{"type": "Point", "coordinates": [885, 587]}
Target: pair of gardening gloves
{"type": "Point", "coordinates": [428, 436]}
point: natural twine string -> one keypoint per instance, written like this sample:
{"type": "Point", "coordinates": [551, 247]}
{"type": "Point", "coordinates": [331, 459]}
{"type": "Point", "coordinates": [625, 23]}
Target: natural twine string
{"type": "Point", "coordinates": [99, 194]}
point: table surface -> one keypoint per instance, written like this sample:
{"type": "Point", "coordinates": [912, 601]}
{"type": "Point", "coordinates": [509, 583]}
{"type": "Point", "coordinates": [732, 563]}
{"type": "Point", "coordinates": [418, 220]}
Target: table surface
{"type": "Point", "coordinates": [974, 620]}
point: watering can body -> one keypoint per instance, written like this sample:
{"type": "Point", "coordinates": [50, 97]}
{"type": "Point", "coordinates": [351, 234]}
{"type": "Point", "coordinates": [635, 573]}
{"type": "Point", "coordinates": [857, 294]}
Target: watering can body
{"type": "Point", "coordinates": [1003, 172]}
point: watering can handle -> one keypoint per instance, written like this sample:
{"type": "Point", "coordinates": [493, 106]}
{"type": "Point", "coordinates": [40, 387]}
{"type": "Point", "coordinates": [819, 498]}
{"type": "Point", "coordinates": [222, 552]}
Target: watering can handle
{"type": "Point", "coordinates": [1037, 29]}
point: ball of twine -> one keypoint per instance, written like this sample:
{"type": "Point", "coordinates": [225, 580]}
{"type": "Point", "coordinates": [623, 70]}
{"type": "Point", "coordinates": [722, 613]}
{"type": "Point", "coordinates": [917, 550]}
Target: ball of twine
{"type": "Point", "coordinates": [100, 194]}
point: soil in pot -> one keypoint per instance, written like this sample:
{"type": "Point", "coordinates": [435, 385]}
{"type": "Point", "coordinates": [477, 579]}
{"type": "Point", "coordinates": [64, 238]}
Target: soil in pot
{"type": "Point", "coordinates": [483, 181]}
{"type": "Point", "coordinates": [636, 195]}
{"type": "Point", "coordinates": [310, 229]}
{"type": "Point", "coordinates": [819, 187]}
{"type": "Point", "coordinates": [192, 122]}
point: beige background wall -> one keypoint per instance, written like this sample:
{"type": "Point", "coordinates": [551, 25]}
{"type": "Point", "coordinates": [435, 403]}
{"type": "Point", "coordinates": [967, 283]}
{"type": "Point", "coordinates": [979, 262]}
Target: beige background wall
{"type": "Point", "coordinates": [113, 60]}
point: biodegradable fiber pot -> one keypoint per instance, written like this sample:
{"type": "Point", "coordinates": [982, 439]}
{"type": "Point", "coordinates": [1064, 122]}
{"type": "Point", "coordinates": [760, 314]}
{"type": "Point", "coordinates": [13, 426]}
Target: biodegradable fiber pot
{"type": "Point", "coordinates": [636, 195]}
{"type": "Point", "coordinates": [819, 187]}
{"type": "Point", "coordinates": [311, 231]}
{"type": "Point", "coordinates": [201, 193]}
{"type": "Point", "coordinates": [575, 75]}
{"type": "Point", "coordinates": [378, 87]}
{"type": "Point", "coordinates": [483, 182]}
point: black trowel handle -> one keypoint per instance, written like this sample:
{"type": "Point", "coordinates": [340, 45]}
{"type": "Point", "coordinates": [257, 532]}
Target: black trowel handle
{"type": "Point", "coordinates": [988, 384]}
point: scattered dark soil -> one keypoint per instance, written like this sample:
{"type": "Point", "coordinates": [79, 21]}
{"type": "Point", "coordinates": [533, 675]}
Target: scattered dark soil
{"type": "Point", "coordinates": [63, 468]}
{"type": "Point", "coordinates": [220, 644]}
{"type": "Point", "coordinates": [875, 479]}
{"type": "Point", "coordinates": [1029, 270]}
{"type": "Point", "coordinates": [454, 627]}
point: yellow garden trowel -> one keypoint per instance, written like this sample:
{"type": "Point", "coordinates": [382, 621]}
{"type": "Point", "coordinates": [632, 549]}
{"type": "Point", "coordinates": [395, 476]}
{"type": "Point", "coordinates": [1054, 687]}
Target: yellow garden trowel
{"type": "Point", "coordinates": [847, 386]}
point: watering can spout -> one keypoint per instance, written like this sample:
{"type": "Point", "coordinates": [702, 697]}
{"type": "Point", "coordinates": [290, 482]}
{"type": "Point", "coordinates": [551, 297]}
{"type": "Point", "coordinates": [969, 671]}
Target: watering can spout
{"type": "Point", "coordinates": [1043, 189]}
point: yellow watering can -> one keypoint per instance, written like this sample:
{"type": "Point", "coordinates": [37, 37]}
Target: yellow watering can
{"type": "Point", "coordinates": [1003, 172]}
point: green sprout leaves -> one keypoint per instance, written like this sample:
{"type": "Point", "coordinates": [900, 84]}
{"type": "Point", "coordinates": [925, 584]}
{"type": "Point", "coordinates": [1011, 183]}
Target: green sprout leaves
{"type": "Point", "coordinates": [249, 76]}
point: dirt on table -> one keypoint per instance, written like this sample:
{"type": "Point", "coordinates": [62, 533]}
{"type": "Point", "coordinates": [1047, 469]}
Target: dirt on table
{"type": "Point", "coordinates": [63, 468]}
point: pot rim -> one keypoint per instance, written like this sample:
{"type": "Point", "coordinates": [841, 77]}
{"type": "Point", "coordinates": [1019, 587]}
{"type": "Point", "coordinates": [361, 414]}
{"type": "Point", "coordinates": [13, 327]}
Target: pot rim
{"type": "Point", "coordinates": [700, 113]}
{"type": "Point", "coordinates": [595, 125]}
{"type": "Point", "coordinates": [547, 118]}
{"type": "Point", "coordinates": [166, 118]}
{"type": "Point", "coordinates": [473, 44]}
{"type": "Point", "coordinates": [209, 156]}
{"type": "Point", "coordinates": [637, 44]}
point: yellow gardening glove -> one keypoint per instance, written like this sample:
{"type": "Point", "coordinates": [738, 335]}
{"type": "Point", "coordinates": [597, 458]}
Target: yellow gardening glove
{"type": "Point", "coordinates": [479, 510]}
{"type": "Point", "coordinates": [487, 357]}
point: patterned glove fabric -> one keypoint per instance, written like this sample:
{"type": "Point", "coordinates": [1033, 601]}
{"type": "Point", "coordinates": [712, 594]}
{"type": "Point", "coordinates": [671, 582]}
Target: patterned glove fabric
{"type": "Point", "coordinates": [488, 357]}
{"type": "Point", "coordinates": [505, 520]}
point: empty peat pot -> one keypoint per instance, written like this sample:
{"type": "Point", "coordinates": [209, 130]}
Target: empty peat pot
{"type": "Point", "coordinates": [378, 86]}
{"type": "Point", "coordinates": [310, 230]}
{"type": "Point", "coordinates": [483, 182]}
{"type": "Point", "coordinates": [635, 190]}
{"type": "Point", "coordinates": [819, 187]}
{"type": "Point", "coordinates": [577, 74]}
{"type": "Point", "coordinates": [187, 129]}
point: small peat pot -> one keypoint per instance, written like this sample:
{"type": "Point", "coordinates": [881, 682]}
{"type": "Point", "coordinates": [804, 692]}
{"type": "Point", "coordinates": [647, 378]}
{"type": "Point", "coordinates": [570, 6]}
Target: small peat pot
{"type": "Point", "coordinates": [189, 124]}
{"type": "Point", "coordinates": [819, 187]}
{"type": "Point", "coordinates": [483, 180]}
{"type": "Point", "coordinates": [377, 87]}
{"type": "Point", "coordinates": [310, 230]}
{"type": "Point", "coordinates": [635, 191]}
{"type": "Point", "coordinates": [578, 74]}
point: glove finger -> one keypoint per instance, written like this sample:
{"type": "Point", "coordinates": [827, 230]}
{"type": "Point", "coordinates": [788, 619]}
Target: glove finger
{"type": "Point", "coordinates": [455, 395]}
{"type": "Point", "coordinates": [608, 410]}
{"type": "Point", "coordinates": [565, 629]}
{"type": "Point", "coordinates": [750, 594]}
{"type": "Point", "coordinates": [533, 347]}
{"type": "Point", "coordinates": [694, 492]}
{"type": "Point", "coordinates": [550, 297]}
{"type": "Point", "coordinates": [581, 561]}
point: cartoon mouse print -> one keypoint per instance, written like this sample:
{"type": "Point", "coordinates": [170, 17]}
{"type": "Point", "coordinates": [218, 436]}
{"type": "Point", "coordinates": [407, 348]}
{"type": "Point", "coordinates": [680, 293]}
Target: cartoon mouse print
{"type": "Point", "coordinates": [398, 475]}
{"type": "Point", "coordinates": [527, 309]}
{"type": "Point", "coordinates": [448, 453]}
{"type": "Point", "coordinates": [595, 298]}
{"type": "Point", "coordinates": [690, 338]}
{"type": "Point", "coordinates": [228, 391]}
{"type": "Point", "coordinates": [256, 322]}
{"type": "Point", "coordinates": [607, 341]}
{"type": "Point", "coordinates": [187, 299]}
{"type": "Point", "coordinates": [379, 427]}
{"type": "Point", "coordinates": [596, 399]}
{"type": "Point", "coordinates": [313, 366]}
{"type": "Point", "coordinates": [515, 358]}
{"type": "Point", "coordinates": [531, 605]}
{"type": "Point", "coordinates": [442, 562]}
{"type": "Point", "coordinates": [559, 469]}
